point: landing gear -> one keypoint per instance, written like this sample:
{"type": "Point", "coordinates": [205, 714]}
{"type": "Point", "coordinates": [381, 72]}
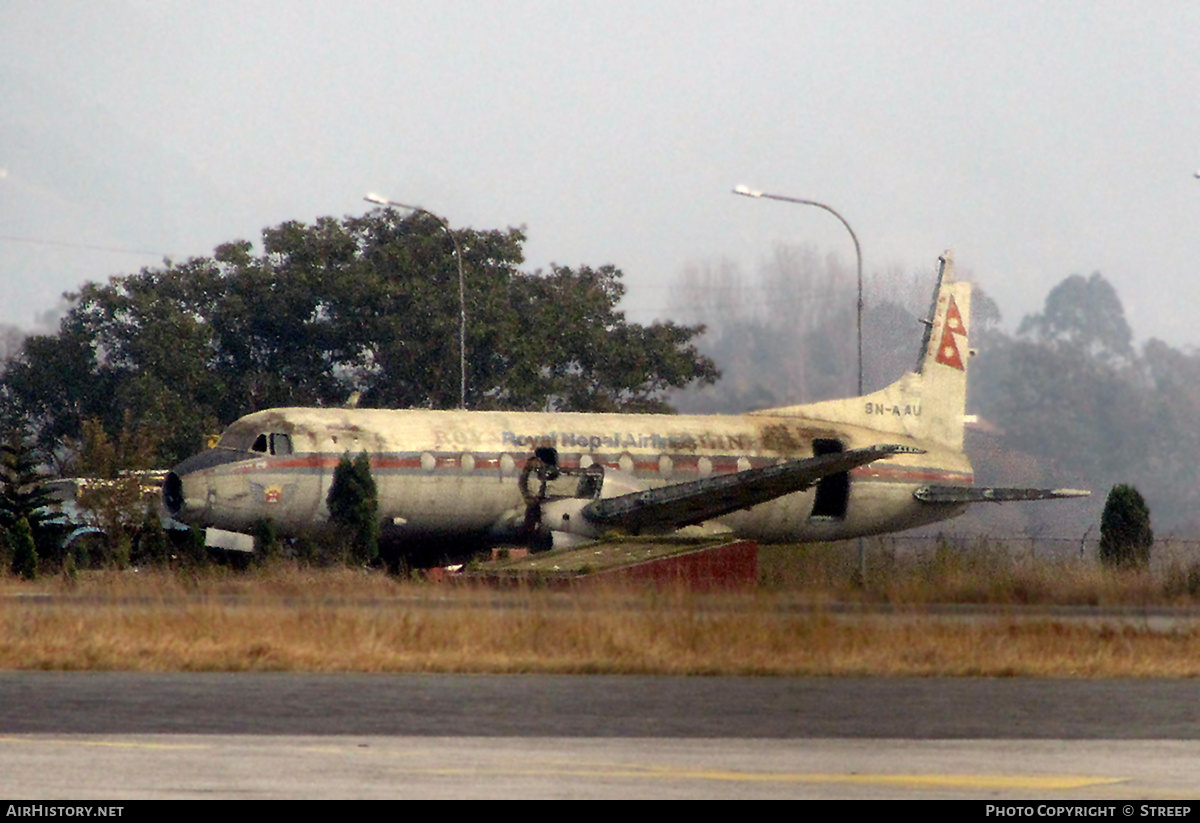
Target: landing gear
{"type": "Point", "coordinates": [543, 480]}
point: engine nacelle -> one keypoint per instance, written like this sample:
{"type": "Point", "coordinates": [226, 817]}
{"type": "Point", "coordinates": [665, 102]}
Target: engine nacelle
{"type": "Point", "coordinates": [565, 521]}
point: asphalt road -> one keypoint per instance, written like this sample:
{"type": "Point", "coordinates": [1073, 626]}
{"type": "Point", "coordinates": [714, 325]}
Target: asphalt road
{"type": "Point", "coordinates": [122, 735]}
{"type": "Point", "coordinates": [599, 706]}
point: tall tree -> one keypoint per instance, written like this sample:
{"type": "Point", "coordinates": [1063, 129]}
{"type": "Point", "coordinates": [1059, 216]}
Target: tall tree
{"type": "Point", "coordinates": [365, 304]}
{"type": "Point", "coordinates": [25, 496]}
{"type": "Point", "coordinates": [787, 334]}
{"type": "Point", "coordinates": [1071, 388]}
{"type": "Point", "coordinates": [1086, 314]}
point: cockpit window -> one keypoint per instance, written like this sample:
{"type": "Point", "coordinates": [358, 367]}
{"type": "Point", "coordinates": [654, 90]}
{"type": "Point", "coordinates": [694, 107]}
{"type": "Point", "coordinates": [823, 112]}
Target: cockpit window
{"type": "Point", "coordinates": [274, 443]}
{"type": "Point", "coordinates": [262, 442]}
{"type": "Point", "coordinates": [281, 444]}
{"type": "Point", "coordinates": [235, 438]}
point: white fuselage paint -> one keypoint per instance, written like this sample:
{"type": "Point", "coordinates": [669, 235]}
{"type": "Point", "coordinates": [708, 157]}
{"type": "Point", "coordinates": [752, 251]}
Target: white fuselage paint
{"type": "Point", "coordinates": [457, 472]}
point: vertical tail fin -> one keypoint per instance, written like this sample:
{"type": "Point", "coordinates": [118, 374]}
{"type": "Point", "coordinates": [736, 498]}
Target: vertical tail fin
{"type": "Point", "coordinates": [927, 404]}
{"type": "Point", "coordinates": [945, 354]}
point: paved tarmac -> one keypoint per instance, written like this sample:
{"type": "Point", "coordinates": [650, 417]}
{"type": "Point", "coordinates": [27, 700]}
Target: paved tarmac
{"type": "Point", "coordinates": [127, 736]}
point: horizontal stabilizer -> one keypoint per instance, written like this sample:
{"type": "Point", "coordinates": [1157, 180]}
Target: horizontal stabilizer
{"type": "Point", "coordinates": [685, 504]}
{"type": "Point", "coordinates": [974, 494]}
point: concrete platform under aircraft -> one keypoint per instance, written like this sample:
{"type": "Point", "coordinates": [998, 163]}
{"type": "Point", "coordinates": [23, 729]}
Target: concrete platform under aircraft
{"type": "Point", "coordinates": [701, 565]}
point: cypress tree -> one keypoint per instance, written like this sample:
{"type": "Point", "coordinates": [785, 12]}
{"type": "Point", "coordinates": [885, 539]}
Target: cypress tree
{"type": "Point", "coordinates": [353, 506]}
{"type": "Point", "coordinates": [1125, 533]}
{"type": "Point", "coordinates": [25, 555]}
{"type": "Point", "coordinates": [26, 495]}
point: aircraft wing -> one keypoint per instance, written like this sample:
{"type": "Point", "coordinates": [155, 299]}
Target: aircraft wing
{"type": "Point", "coordinates": [685, 504]}
{"type": "Point", "coordinates": [975, 494]}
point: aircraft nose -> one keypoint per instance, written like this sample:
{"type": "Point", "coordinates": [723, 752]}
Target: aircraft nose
{"type": "Point", "coordinates": [183, 491]}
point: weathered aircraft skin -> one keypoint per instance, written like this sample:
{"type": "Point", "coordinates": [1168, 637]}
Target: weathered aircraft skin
{"type": "Point", "coordinates": [474, 472]}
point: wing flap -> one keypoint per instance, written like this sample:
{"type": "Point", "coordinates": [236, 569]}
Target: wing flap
{"type": "Point", "coordinates": [974, 494]}
{"type": "Point", "coordinates": [685, 504]}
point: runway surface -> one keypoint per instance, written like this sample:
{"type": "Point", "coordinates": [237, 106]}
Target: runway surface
{"type": "Point", "coordinates": [121, 735]}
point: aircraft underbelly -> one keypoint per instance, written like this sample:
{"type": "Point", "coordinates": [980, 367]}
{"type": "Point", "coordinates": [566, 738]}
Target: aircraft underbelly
{"type": "Point", "coordinates": [471, 504]}
{"type": "Point", "coordinates": [872, 508]}
{"type": "Point", "coordinates": [447, 504]}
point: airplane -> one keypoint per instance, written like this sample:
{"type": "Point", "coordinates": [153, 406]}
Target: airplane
{"type": "Point", "coordinates": [887, 461]}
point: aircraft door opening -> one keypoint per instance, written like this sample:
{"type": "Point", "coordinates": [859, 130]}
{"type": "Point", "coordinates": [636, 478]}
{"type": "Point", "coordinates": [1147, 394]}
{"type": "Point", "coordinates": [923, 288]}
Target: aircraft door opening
{"type": "Point", "coordinates": [833, 492]}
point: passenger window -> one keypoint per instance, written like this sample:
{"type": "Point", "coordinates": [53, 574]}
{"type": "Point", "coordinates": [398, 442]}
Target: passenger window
{"type": "Point", "coordinates": [260, 444]}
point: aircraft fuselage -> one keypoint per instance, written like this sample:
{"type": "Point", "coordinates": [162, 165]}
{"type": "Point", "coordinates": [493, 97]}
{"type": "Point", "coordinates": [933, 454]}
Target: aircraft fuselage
{"type": "Point", "coordinates": [885, 462]}
{"type": "Point", "coordinates": [455, 472]}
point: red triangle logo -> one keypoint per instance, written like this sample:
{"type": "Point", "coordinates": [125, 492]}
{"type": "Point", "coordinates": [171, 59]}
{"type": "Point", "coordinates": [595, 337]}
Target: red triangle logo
{"type": "Point", "coordinates": [948, 354]}
{"type": "Point", "coordinates": [954, 321]}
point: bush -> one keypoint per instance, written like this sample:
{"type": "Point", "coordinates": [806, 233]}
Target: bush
{"type": "Point", "coordinates": [25, 556]}
{"type": "Point", "coordinates": [266, 540]}
{"type": "Point", "coordinates": [353, 505]}
{"type": "Point", "coordinates": [1125, 533]}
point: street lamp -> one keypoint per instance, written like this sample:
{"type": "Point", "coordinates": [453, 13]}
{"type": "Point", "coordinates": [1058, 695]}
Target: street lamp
{"type": "Point", "coordinates": [380, 200]}
{"type": "Point", "coordinates": [746, 191]}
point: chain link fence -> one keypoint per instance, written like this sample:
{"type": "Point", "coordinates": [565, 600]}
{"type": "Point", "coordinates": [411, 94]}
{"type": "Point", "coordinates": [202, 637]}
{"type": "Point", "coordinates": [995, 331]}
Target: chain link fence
{"type": "Point", "coordinates": [1166, 550]}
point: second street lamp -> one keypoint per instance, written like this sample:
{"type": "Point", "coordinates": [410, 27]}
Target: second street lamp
{"type": "Point", "coordinates": [746, 191]}
{"type": "Point", "coordinates": [380, 200]}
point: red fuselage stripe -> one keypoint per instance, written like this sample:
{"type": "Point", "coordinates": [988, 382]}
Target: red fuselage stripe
{"type": "Point", "coordinates": [683, 464]}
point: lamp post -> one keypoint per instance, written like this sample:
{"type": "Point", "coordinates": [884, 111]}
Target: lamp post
{"type": "Point", "coordinates": [380, 200]}
{"type": "Point", "coordinates": [746, 191]}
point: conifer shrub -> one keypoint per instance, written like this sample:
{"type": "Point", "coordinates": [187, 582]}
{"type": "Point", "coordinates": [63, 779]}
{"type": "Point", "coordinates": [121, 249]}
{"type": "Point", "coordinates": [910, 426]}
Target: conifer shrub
{"type": "Point", "coordinates": [1125, 533]}
{"type": "Point", "coordinates": [353, 507]}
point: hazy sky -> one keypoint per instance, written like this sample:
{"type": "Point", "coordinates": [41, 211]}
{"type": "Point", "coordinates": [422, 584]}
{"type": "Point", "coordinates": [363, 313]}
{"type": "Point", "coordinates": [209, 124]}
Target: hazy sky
{"type": "Point", "coordinates": [1037, 139]}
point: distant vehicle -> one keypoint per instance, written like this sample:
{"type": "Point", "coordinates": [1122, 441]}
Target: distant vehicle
{"type": "Point", "coordinates": [838, 469]}
{"type": "Point", "coordinates": [79, 525]}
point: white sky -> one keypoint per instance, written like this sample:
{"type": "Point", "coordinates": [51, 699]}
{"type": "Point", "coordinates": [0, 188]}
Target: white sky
{"type": "Point", "coordinates": [1038, 139]}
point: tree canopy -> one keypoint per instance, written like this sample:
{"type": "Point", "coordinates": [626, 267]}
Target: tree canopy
{"type": "Point", "coordinates": [365, 304]}
{"type": "Point", "coordinates": [1085, 314]}
{"type": "Point", "coordinates": [1072, 388]}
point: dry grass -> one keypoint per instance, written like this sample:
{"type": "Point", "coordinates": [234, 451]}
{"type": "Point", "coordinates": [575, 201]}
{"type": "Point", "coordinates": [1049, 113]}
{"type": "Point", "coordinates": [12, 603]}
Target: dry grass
{"type": "Point", "coordinates": [288, 618]}
{"type": "Point", "coordinates": [976, 572]}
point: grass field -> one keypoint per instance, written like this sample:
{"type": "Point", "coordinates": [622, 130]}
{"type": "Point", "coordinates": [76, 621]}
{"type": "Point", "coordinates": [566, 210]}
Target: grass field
{"type": "Point", "coordinates": [810, 616]}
